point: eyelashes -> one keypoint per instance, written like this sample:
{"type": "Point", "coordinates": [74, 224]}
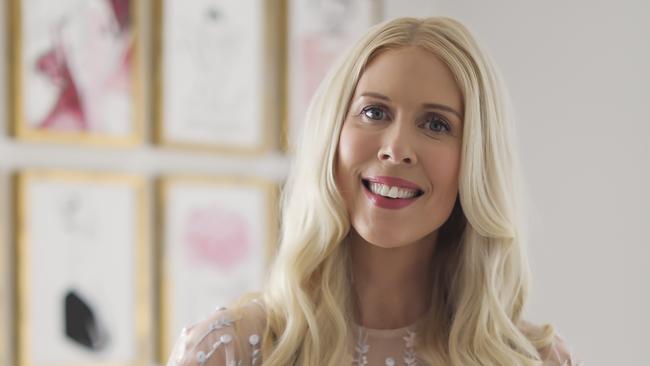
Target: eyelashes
{"type": "Point", "coordinates": [372, 112]}
{"type": "Point", "coordinates": [439, 122]}
{"type": "Point", "coordinates": [433, 122]}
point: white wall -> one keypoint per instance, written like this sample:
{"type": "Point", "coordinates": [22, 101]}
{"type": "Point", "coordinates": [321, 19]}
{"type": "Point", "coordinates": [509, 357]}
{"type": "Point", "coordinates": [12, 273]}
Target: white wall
{"type": "Point", "coordinates": [579, 74]}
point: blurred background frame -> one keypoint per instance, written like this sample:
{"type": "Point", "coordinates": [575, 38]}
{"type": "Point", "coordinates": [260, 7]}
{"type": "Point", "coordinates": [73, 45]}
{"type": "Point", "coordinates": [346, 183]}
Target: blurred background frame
{"type": "Point", "coordinates": [69, 311]}
{"type": "Point", "coordinates": [75, 72]}
{"type": "Point", "coordinates": [216, 238]}
{"type": "Point", "coordinates": [319, 31]}
{"type": "Point", "coordinates": [218, 74]}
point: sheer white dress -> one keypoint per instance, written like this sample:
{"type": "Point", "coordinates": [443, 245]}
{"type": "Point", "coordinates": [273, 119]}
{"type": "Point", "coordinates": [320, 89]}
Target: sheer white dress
{"type": "Point", "coordinates": [233, 338]}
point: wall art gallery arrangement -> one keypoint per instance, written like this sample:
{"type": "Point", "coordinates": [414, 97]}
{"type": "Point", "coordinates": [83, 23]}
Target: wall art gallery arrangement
{"type": "Point", "coordinates": [107, 267]}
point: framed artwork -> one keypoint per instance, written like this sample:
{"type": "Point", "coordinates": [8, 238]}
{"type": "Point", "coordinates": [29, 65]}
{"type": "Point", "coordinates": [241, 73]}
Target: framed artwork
{"type": "Point", "coordinates": [217, 237]}
{"type": "Point", "coordinates": [83, 277]}
{"type": "Point", "coordinates": [319, 32]}
{"type": "Point", "coordinates": [75, 74]}
{"type": "Point", "coordinates": [216, 72]}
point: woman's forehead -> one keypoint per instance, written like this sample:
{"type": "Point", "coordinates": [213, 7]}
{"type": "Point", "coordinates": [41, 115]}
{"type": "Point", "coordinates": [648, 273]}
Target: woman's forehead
{"type": "Point", "coordinates": [410, 75]}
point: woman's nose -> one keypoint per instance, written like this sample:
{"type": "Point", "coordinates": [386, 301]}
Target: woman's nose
{"type": "Point", "coordinates": [397, 147]}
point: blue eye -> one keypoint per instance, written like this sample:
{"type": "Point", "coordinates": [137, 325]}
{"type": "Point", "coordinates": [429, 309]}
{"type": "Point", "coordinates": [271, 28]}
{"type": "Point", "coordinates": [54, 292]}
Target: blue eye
{"type": "Point", "coordinates": [373, 112]}
{"type": "Point", "coordinates": [437, 124]}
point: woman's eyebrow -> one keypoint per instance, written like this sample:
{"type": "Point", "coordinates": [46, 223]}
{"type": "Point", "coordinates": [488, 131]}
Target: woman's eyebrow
{"type": "Point", "coordinates": [425, 105]}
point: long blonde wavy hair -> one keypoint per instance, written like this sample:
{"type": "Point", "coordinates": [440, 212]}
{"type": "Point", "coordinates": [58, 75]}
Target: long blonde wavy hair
{"type": "Point", "coordinates": [480, 272]}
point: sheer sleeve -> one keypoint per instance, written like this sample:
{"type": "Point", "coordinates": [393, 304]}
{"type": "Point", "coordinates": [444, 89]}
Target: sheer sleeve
{"type": "Point", "coordinates": [558, 354]}
{"type": "Point", "coordinates": [229, 337]}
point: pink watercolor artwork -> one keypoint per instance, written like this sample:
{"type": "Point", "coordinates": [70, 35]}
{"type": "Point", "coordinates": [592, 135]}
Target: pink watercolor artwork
{"type": "Point", "coordinates": [319, 54]}
{"type": "Point", "coordinates": [217, 237]}
{"type": "Point", "coordinates": [89, 63]}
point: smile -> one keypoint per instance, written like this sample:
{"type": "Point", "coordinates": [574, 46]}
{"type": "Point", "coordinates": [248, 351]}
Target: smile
{"type": "Point", "coordinates": [391, 192]}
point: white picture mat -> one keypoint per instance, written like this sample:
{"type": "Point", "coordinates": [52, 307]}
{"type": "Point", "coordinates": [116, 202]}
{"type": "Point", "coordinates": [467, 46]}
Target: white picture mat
{"type": "Point", "coordinates": [91, 57]}
{"type": "Point", "coordinates": [101, 265]}
{"type": "Point", "coordinates": [319, 33]}
{"type": "Point", "coordinates": [213, 57]}
{"type": "Point", "coordinates": [197, 289]}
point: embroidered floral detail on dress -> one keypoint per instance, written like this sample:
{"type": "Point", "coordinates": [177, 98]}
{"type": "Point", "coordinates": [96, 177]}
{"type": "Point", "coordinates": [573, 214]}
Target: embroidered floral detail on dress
{"type": "Point", "coordinates": [254, 341]}
{"type": "Point", "coordinates": [560, 355]}
{"type": "Point", "coordinates": [202, 356]}
{"type": "Point", "coordinates": [562, 358]}
{"type": "Point", "coordinates": [219, 324]}
{"type": "Point", "coordinates": [361, 350]}
{"type": "Point", "coordinates": [410, 358]}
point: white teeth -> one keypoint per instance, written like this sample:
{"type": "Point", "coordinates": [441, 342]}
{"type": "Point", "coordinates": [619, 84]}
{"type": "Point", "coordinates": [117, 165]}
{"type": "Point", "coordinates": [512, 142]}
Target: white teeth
{"type": "Point", "coordinates": [392, 192]}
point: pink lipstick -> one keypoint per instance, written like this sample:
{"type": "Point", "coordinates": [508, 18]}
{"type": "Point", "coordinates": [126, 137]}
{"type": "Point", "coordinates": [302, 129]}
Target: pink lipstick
{"type": "Point", "coordinates": [386, 202]}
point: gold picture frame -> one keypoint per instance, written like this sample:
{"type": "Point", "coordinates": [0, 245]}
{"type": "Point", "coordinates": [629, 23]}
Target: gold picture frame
{"type": "Point", "coordinates": [83, 217]}
{"type": "Point", "coordinates": [235, 218]}
{"type": "Point", "coordinates": [5, 298]}
{"type": "Point", "coordinates": [226, 120]}
{"type": "Point", "coordinates": [51, 100]}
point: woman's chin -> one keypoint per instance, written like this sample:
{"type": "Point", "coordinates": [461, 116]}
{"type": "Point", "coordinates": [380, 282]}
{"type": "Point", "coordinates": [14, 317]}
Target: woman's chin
{"type": "Point", "coordinates": [387, 241]}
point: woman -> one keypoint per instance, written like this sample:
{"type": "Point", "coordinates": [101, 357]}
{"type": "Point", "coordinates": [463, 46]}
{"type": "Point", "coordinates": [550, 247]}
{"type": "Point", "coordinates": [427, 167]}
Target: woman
{"type": "Point", "coordinates": [402, 236]}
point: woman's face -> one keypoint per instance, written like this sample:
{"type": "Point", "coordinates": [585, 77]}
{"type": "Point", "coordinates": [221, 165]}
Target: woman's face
{"type": "Point", "coordinates": [399, 153]}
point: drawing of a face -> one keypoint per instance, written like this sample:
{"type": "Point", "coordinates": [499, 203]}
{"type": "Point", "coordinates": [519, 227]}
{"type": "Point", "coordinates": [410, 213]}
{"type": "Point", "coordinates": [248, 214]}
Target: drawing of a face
{"type": "Point", "coordinates": [78, 219]}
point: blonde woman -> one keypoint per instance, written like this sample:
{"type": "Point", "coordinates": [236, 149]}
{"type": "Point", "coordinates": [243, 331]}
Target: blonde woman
{"type": "Point", "coordinates": [402, 240]}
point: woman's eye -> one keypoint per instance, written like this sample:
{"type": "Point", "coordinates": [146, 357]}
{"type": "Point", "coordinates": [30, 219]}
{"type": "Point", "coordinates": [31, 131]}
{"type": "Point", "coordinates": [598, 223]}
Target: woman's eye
{"type": "Point", "coordinates": [373, 112]}
{"type": "Point", "coordinates": [437, 124]}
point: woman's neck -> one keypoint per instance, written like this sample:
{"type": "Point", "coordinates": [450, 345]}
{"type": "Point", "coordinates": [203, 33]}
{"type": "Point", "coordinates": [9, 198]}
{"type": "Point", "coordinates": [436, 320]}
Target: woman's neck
{"type": "Point", "coordinates": [392, 285]}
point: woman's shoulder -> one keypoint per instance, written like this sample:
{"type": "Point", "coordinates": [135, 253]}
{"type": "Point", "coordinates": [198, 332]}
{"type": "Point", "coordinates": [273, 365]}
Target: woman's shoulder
{"type": "Point", "coordinates": [557, 352]}
{"type": "Point", "coordinates": [229, 336]}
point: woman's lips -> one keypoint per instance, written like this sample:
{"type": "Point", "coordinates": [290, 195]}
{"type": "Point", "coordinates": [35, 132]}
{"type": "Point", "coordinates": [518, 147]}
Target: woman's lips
{"type": "Point", "coordinates": [393, 182]}
{"type": "Point", "coordinates": [390, 203]}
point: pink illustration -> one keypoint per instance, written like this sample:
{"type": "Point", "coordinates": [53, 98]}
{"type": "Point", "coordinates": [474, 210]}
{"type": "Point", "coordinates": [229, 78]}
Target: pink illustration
{"type": "Point", "coordinates": [330, 35]}
{"type": "Point", "coordinates": [319, 54]}
{"type": "Point", "coordinates": [67, 113]}
{"type": "Point", "coordinates": [217, 237]}
{"type": "Point", "coordinates": [90, 65]}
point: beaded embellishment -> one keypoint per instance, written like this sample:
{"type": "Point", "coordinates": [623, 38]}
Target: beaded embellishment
{"type": "Point", "coordinates": [410, 359]}
{"type": "Point", "coordinates": [202, 356]}
{"type": "Point", "coordinates": [254, 341]}
{"type": "Point", "coordinates": [361, 350]}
